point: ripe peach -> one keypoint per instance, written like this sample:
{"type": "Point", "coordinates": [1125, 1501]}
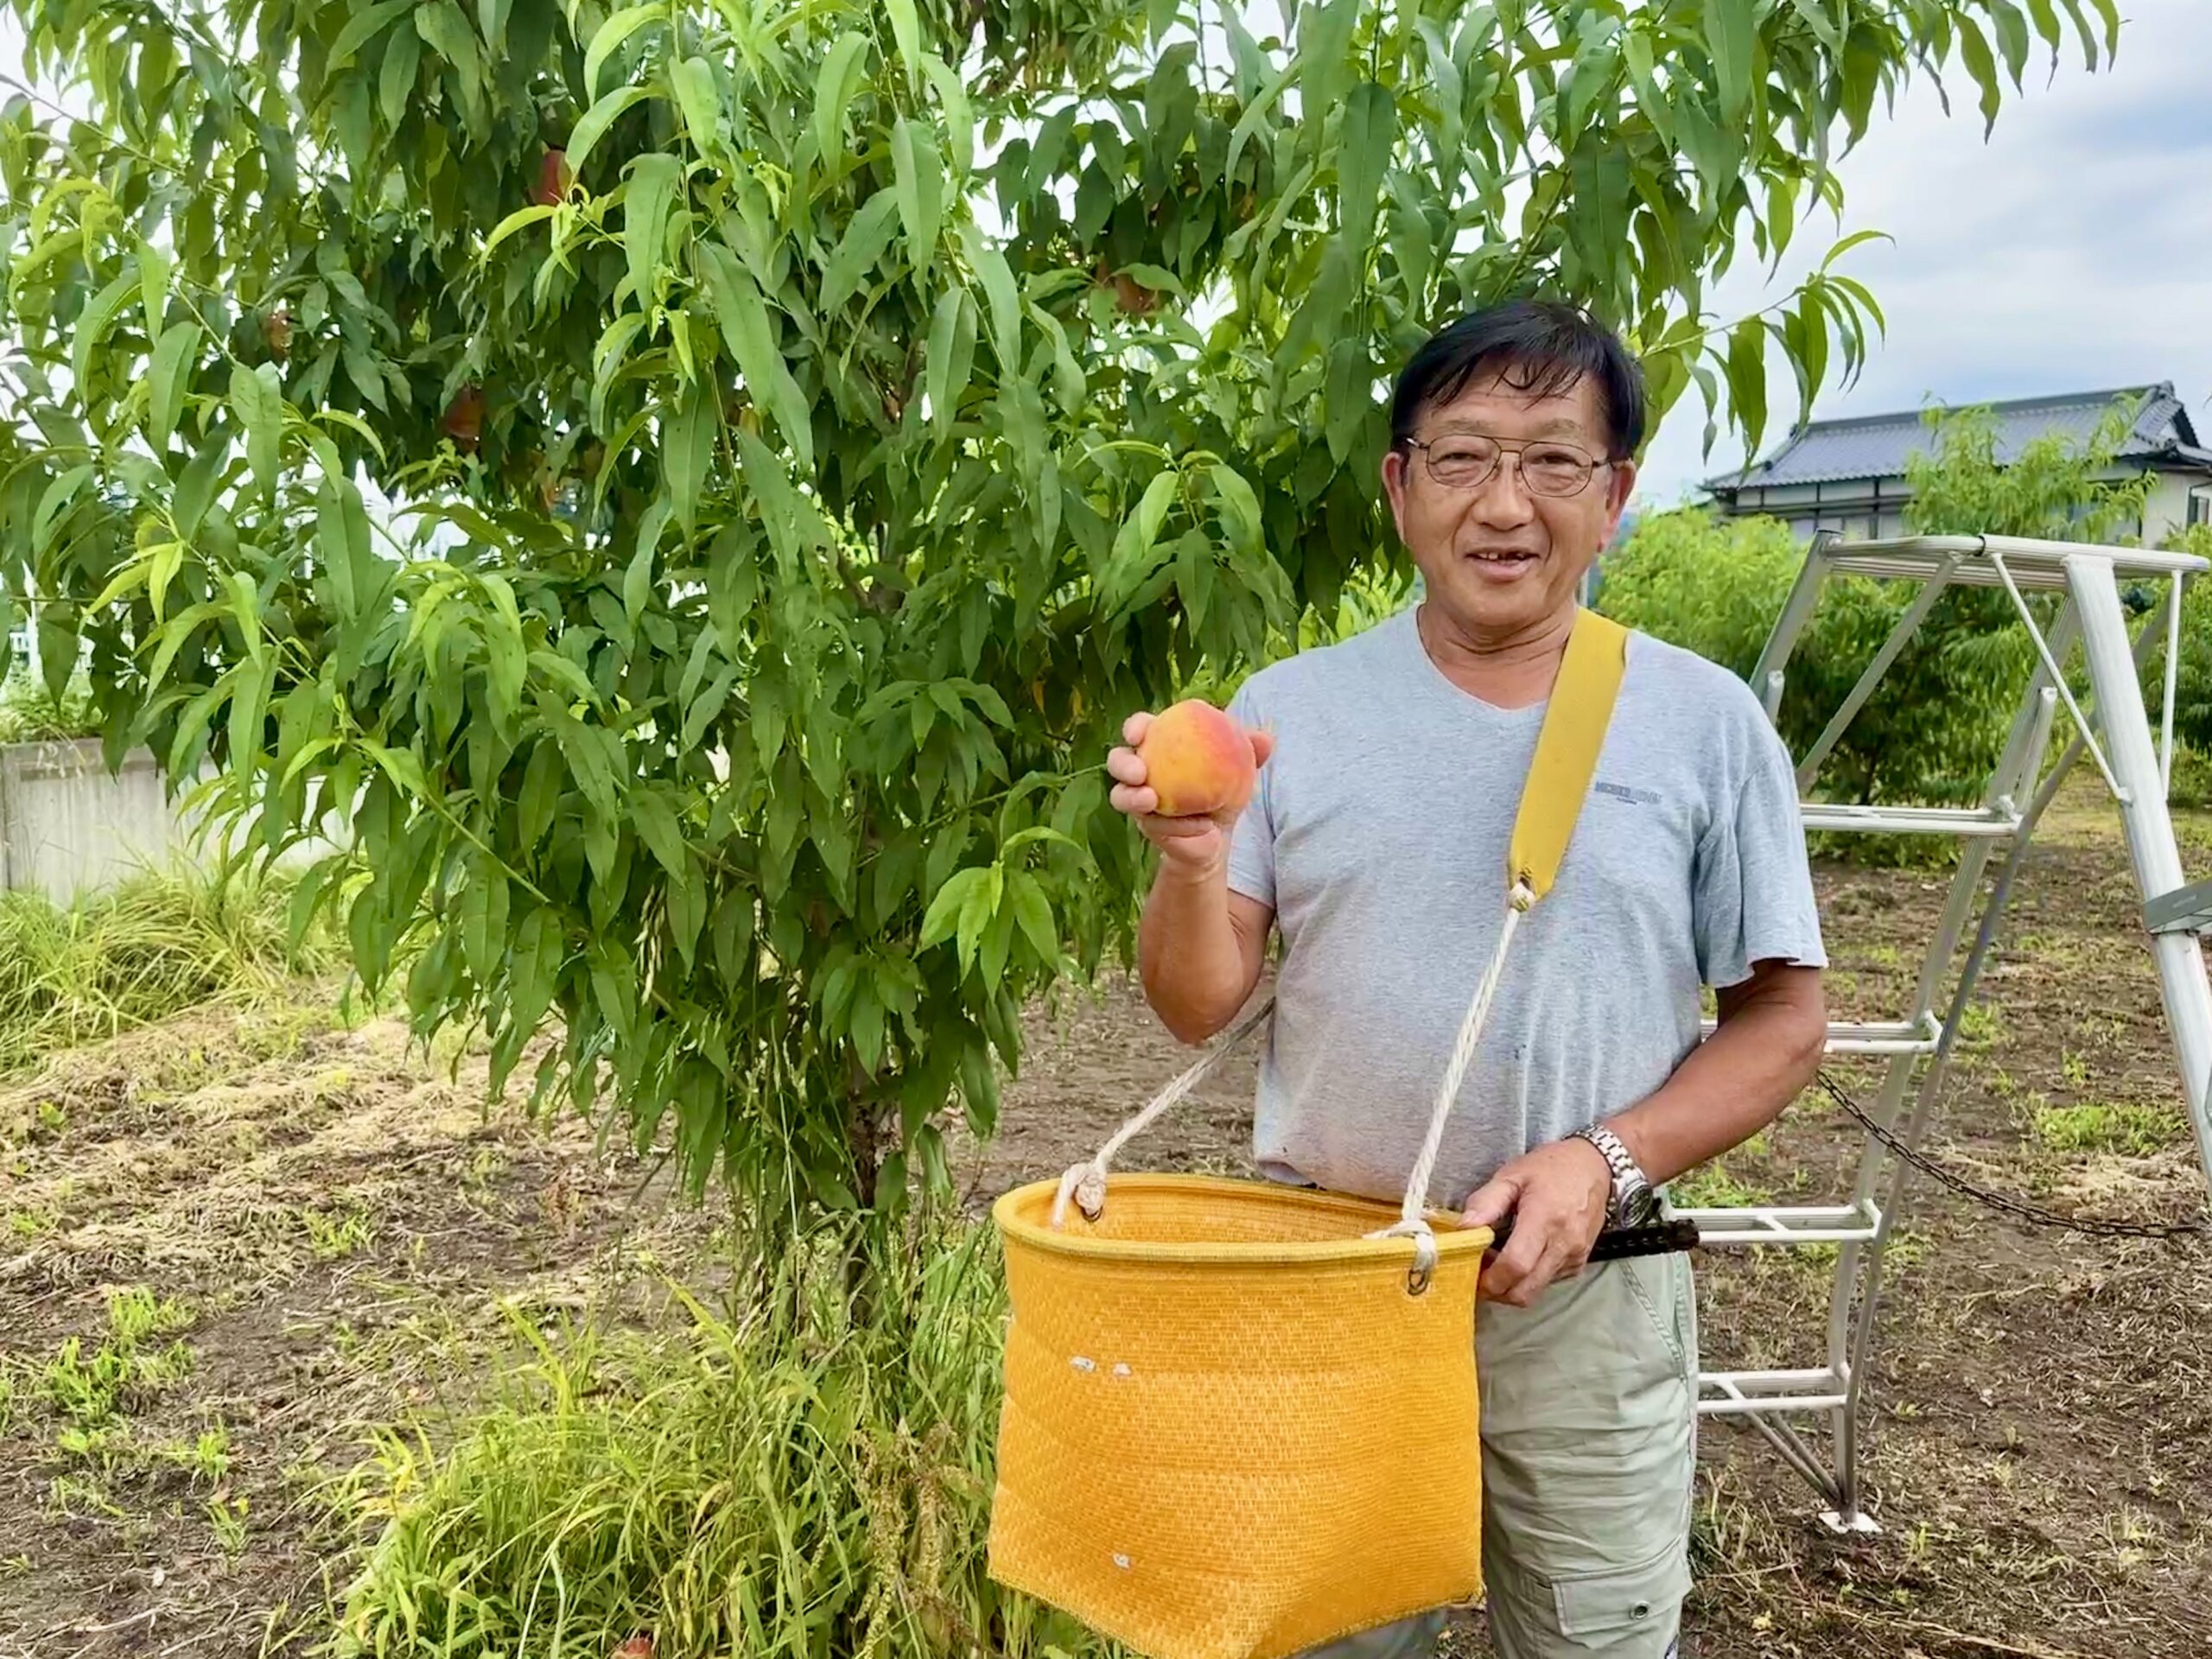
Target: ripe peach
{"type": "Point", "coordinates": [1197, 760]}
{"type": "Point", "coordinates": [554, 179]}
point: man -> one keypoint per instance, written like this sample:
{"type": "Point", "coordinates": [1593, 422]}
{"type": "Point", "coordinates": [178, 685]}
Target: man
{"type": "Point", "coordinates": [1391, 771]}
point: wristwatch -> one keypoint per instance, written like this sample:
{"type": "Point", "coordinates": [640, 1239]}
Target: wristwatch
{"type": "Point", "coordinates": [1633, 1201]}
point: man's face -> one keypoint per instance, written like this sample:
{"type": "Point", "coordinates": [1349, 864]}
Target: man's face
{"type": "Point", "coordinates": [1499, 558]}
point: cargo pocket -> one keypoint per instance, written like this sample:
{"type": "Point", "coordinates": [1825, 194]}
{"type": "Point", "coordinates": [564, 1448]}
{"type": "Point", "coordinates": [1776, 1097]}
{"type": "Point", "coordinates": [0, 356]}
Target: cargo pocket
{"type": "Point", "coordinates": [1597, 1610]}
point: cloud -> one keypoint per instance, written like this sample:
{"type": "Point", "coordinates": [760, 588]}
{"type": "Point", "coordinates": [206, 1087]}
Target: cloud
{"type": "Point", "coordinates": [2067, 253]}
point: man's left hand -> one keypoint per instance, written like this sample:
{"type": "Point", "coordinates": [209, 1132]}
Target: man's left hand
{"type": "Point", "coordinates": [1557, 1196]}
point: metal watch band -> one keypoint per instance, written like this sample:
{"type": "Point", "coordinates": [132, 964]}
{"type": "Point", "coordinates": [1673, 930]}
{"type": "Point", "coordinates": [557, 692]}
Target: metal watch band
{"type": "Point", "coordinates": [1632, 1186]}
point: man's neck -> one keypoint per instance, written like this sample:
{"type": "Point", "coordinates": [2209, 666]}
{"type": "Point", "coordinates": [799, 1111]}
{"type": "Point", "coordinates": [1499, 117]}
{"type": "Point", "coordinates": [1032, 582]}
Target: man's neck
{"type": "Point", "coordinates": [1509, 670]}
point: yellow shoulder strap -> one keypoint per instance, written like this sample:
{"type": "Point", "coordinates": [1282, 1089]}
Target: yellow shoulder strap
{"type": "Point", "coordinates": [1567, 750]}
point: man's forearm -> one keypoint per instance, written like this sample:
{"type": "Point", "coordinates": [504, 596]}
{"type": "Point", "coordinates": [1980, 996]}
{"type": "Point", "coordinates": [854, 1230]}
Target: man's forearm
{"type": "Point", "coordinates": [1765, 1051]}
{"type": "Point", "coordinates": [1192, 960]}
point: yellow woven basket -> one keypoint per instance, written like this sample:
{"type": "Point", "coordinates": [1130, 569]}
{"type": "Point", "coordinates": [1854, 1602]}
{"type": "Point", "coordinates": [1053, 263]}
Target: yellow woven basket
{"type": "Point", "coordinates": [1241, 1418]}
{"type": "Point", "coordinates": [1231, 1431]}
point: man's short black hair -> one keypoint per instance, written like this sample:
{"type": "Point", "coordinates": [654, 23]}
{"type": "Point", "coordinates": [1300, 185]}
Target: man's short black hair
{"type": "Point", "coordinates": [1541, 347]}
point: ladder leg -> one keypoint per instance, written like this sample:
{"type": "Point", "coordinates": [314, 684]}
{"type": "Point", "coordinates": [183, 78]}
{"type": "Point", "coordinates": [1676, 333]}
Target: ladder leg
{"type": "Point", "coordinates": [1809, 764]}
{"type": "Point", "coordinates": [1857, 1293]}
{"type": "Point", "coordinates": [1909, 1134]}
{"type": "Point", "coordinates": [2149, 828]}
{"type": "Point", "coordinates": [1774, 657]}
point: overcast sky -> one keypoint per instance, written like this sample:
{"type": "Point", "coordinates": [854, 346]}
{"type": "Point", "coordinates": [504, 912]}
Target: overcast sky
{"type": "Point", "coordinates": [2071, 251]}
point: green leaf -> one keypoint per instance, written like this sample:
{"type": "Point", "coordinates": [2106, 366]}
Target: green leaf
{"type": "Point", "coordinates": [1847, 244]}
{"type": "Point", "coordinates": [2047, 25]}
{"type": "Point", "coordinates": [521, 218]}
{"type": "Point", "coordinates": [689, 456]}
{"type": "Point", "coordinates": [541, 793]}
{"type": "Point", "coordinates": [1816, 14]}
{"type": "Point", "coordinates": [951, 356]}
{"type": "Point", "coordinates": [1370, 129]}
{"type": "Point", "coordinates": [638, 576]}
{"type": "Point", "coordinates": [701, 104]}
{"type": "Point", "coordinates": [534, 969]}
{"type": "Point", "coordinates": [1141, 530]}
{"type": "Point", "coordinates": [1731, 35]}
{"type": "Point", "coordinates": [835, 88]}
{"type": "Point", "coordinates": [2012, 38]}
{"type": "Point", "coordinates": [2109, 10]}
{"type": "Point", "coordinates": [1350, 395]}
{"type": "Point", "coordinates": [1974, 51]}
{"type": "Point", "coordinates": [596, 120]}
{"type": "Point", "coordinates": [749, 333]}
{"type": "Point", "coordinates": [609, 36]}
{"type": "Point", "coordinates": [917, 177]}
{"type": "Point", "coordinates": [154, 266]}
{"type": "Point", "coordinates": [57, 496]}
{"type": "Point", "coordinates": [1747, 379]}
{"type": "Point", "coordinates": [997, 277]}
{"type": "Point", "coordinates": [860, 250]}
{"type": "Point", "coordinates": [249, 708]}
{"type": "Point", "coordinates": [975, 915]}
{"type": "Point", "coordinates": [444, 28]}
{"type": "Point", "coordinates": [959, 118]}
{"type": "Point", "coordinates": [396, 80]}
{"type": "Point", "coordinates": [258, 407]}
{"type": "Point", "coordinates": [655, 178]}
{"type": "Point", "coordinates": [169, 381]}
{"type": "Point", "coordinates": [362, 26]}
{"type": "Point", "coordinates": [658, 828]}
{"type": "Point", "coordinates": [484, 919]}
{"type": "Point", "coordinates": [1034, 913]}
{"type": "Point", "coordinates": [93, 324]}
{"type": "Point", "coordinates": [1242, 504]}
{"type": "Point", "coordinates": [907, 31]}
{"type": "Point", "coordinates": [944, 914]}
{"type": "Point", "coordinates": [342, 544]}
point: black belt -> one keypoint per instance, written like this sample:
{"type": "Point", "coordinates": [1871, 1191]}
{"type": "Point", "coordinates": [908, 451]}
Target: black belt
{"type": "Point", "coordinates": [1649, 1238]}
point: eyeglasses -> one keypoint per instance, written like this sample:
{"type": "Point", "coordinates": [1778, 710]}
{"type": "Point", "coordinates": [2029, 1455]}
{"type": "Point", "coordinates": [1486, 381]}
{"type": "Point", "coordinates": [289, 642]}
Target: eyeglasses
{"type": "Point", "coordinates": [1467, 460]}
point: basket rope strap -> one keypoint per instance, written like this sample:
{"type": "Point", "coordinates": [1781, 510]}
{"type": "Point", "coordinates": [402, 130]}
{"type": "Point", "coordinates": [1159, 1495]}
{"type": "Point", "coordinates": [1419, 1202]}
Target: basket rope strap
{"type": "Point", "coordinates": [1551, 799]}
{"type": "Point", "coordinates": [1086, 1183]}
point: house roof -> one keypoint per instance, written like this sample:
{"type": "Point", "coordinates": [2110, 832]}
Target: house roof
{"type": "Point", "coordinates": [1875, 446]}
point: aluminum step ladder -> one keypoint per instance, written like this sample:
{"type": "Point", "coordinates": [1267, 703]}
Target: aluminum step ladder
{"type": "Point", "coordinates": [1918, 1046]}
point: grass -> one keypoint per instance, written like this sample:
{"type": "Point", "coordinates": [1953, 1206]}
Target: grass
{"type": "Point", "coordinates": [1711, 1186]}
{"type": "Point", "coordinates": [31, 713]}
{"type": "Point", "coordinates": [334, 1236]}
{"type": "Point", "coordinates": [89, 1390]}
{"type": "Point", "coordinates": [793, 1479]}
{"type": "Point", "coordinates": [2119, 1126]}
{"type": "Point", "coordinates": [146, 948]}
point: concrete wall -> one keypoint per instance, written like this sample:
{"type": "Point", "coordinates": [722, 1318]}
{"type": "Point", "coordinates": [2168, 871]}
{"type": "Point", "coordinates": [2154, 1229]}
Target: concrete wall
{"type": "Point", "coordinates": [67, 826]}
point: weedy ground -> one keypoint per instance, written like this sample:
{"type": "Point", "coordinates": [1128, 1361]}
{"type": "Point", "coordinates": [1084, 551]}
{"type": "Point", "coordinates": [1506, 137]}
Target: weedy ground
{"type": "Point", "coordinates": [298, 1332]}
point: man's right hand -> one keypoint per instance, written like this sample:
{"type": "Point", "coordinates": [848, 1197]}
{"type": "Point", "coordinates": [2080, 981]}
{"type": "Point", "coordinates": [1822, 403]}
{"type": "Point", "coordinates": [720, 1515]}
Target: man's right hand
{"type": "Point", "coordinates": [1194, 844]}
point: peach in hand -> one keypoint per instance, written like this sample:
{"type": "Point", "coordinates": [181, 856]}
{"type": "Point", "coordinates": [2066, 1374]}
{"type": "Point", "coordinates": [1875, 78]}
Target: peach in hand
{"type": "Point", "coordinates": [1198, 761]}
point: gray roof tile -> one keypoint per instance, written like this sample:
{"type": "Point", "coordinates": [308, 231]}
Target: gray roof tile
{"type": "Point", "coordinates": [1875, 446]}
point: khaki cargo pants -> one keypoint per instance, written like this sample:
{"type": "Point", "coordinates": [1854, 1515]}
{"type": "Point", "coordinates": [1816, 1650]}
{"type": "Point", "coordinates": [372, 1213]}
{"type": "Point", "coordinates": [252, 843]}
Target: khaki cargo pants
{"type": "Point", "coordinates": [1589, 1444]}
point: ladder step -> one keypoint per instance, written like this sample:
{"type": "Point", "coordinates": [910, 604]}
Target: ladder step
{"type": "Point", "coordinates": [1970, 821]}
{"type": "Point", "coordinates": [1740, 1394]}
{"type": "Point", "coordinates": [1785, 1223]}
{"type": "Point", "coordinates": [1872, 1036]}
{"type": "Point", "coordinates": [2185, 910]}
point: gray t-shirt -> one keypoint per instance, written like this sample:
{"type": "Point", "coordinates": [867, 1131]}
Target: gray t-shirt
{"type": "Point", "coordinates": [1378, 833]}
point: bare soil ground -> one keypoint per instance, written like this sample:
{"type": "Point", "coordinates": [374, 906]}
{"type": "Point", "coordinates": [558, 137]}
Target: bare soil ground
{"type": "Point", "coordinates": [266, 1230]}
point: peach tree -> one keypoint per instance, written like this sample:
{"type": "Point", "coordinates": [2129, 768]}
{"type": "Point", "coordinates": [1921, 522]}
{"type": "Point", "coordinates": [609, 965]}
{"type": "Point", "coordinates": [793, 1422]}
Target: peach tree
{"type": "Point", "coordinates": [681, 494]}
